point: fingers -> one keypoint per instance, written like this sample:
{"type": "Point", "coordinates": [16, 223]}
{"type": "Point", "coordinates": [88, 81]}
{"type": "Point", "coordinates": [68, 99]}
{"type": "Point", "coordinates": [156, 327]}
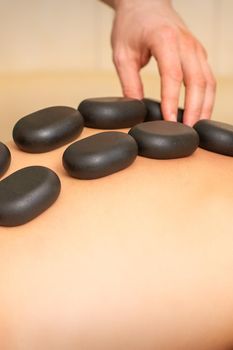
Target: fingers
{"type": "Point", "coordinates": [128, 72]}
{"type": "Point", "coordinates": [181, 58]}
{"type": "Point", "coordinates": [167, 56]}
{"type": "Point", "coordinates": [195, 84]}
{"type": "Point", "coordinates": [198, 80]}
{"type": "Point", "coordinates": [210, 92]}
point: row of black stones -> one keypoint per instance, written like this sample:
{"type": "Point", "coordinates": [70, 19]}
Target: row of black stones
{"type": "Point", "coordinates": [29, 191]}
{"type": "Point", "coordinates": [52, 127]}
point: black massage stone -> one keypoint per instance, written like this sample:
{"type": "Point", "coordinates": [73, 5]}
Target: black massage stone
{"type": "Point", "coordinates": [112, 112]}
{"type": "Point", "coordinates": [5, 158]}
{"type": "Point", "coordinates": [47, 129]}
{"type": "Point", "coordinates": [27, 193]}
{"type": "Point", "coordinates": [154, 111]}
{"type": "Point", "coordinates": [100, 155]}
{"type": "Point", "coordinates": [165, 140]}
{"type": "Point", "coordinates": [215, 136]}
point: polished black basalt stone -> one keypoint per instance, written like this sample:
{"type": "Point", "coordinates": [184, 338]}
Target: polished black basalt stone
{"type": "Point", "coordinates": [154, 111]}
{"type": "Point", "coordinates": [164, 140]}
{"type": "Point", "coordinates": [5, 158]}
{"type": "Point", "coordinates": [47, 129]}
{"type": "Point", "coordinates": [26, 194]}
{"type": "Point", "coordinates": [112, 112]}
{"type": "Point", "coordinates": [215, 136]}
{"type": "Point", "coordinates": [100, 155]}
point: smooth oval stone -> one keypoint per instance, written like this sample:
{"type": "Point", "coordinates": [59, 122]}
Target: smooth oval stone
{"type": "Point", "coordinates": [164, 140]}
{"type": "Point", "coordinates": [47, 129]}
{"type": "Point", "coordinates": [26, 194]}
{"type": "Point", "coordinates": [100, 155]}
{"type": "Point", "coordinates": [112, 112]}
{"type": "Point", "coordinates": [154, 111]}
{"type": "Point", "coordinates": [5, 158]}
{"type": "Point", "coordinates": [215, 136]}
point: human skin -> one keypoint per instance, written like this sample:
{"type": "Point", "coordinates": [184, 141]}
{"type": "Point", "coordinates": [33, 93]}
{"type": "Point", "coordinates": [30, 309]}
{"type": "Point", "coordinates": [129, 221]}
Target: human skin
{"type": "Point", "coordinates": [138, 260]}
{"type": "Point", "coordinates": [152, 28]}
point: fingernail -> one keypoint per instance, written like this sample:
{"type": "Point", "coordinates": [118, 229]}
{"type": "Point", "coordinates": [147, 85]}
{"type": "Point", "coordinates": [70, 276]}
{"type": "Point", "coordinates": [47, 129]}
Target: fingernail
{"type": "Point", "coordinates": [204, 117]}
{"type": "Point", "coordinates": [188, 123]}
{"type": "Point", "coordinates": [173, 117]}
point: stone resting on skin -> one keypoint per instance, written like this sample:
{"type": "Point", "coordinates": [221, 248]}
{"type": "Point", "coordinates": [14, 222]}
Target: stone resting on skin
{"type": "Point", "coordinates": [28, 192]}
{"type": "Point", "coordinates": [140, 259]}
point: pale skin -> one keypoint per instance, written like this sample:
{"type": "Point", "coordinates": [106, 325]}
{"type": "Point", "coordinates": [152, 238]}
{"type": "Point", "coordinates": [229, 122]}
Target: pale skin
{"type": "Point", "coordinates": [152, 28]}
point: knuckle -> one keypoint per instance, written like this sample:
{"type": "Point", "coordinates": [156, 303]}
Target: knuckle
{"type": "Point", "coordinates": [168, 33]}
{"type": "Point", "coordinates": [119, 58]}
{"type": "Point", "coordinates": [202, 50]}
{"type": "Point", "coordinates": [188, 41]}
{"type": "Point", "coordinates": [212, 83]}
{"type": "Point", "coordinates": [173, 74]}
{"type": "Point", "coordinates": [198, 81]}
{"type": "Point", "coordinates": [201, 83]}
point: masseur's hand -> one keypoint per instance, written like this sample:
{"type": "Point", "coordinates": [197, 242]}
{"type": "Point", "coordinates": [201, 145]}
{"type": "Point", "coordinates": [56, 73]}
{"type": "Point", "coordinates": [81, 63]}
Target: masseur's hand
{"type": "Point", "coordinates": [145, 28]}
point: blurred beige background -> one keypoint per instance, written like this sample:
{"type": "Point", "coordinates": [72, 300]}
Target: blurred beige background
{"type": "Point", "coordinates": [58, 52]}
